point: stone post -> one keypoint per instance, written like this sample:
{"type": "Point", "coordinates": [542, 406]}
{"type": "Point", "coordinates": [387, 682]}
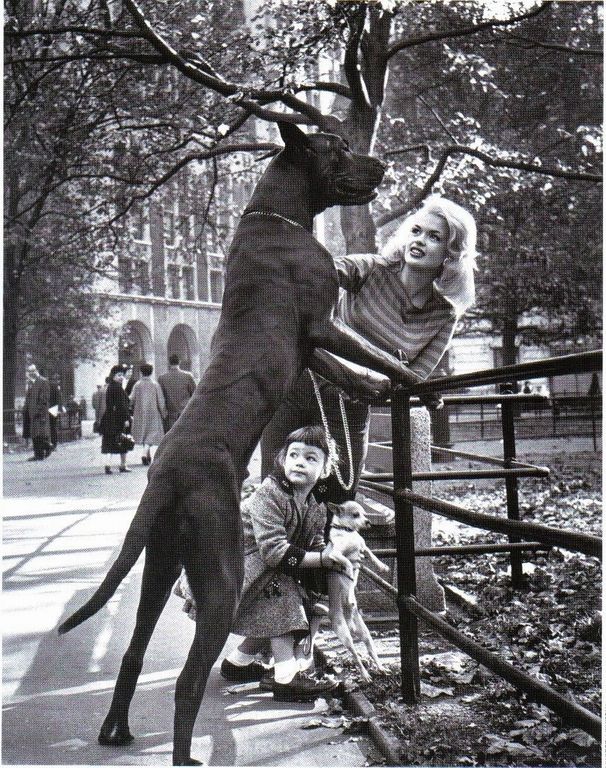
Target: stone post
{"type": "Point", "coordinates": [429, 593]}
{"type": "Point", "coordinates": [382, 534]}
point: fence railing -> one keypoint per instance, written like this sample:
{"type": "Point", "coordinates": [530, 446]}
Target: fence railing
{"type": "Point", "coordinates": [69, 425]}
{"type": "Point", "coordinates": [537, 416]}
{"type": "Point", "coordinates": [523, 536]}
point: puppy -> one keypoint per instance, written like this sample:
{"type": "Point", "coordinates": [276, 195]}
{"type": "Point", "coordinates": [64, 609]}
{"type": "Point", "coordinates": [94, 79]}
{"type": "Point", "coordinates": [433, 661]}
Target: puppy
{"type": "Point", "coordinates": [348, 519]}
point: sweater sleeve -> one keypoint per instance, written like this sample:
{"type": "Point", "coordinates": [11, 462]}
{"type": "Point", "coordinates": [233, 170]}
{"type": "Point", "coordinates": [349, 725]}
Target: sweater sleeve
{"type": "Point", "coordinates": [353, 269]}
{"type": "Point", "coordinates": [431, 354]}
{"type": "Point", "coordinates": [267, 516]}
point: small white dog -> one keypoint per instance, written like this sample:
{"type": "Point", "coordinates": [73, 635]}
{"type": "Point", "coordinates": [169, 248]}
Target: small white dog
{"type": "Point", "coordinates": [348, 519]}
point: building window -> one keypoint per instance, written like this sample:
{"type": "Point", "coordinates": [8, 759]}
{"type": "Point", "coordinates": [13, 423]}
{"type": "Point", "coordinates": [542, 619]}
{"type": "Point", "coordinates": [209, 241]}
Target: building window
{"type": "Point", "coordinates": [125, 274]}
{"type": "Point", "coordinates": [174, 282]}
{"type": "Point", "coordinates": [171, 217]}
{"type": "Point", "coordinates": [143, 281]}
{"type": "Point", "coordinates": [133, 275]}
{"type": "Point", "coordinates": [140, 222]}
{"type": "Point", "coordinates": [215, 277]}
{"type": "Point", "coordinates": [188, 283]}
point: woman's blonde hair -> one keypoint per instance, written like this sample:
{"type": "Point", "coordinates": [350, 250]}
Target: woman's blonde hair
{"type": "Point", "coordinates": [456, 282]}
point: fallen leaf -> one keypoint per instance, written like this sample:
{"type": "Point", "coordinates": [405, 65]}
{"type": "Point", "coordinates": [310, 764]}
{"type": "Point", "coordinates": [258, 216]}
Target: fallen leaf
{"type": "Point", "coordinates": [433, 691]}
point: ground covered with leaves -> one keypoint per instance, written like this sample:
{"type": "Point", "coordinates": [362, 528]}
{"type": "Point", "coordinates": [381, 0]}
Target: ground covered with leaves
{"type": "Point", "coordinates": [551, 630]}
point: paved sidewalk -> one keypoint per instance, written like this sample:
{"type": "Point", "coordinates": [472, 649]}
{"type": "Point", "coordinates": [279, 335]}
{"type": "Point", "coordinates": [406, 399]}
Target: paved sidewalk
{"type": "Point", "coordinates": [63, 523]}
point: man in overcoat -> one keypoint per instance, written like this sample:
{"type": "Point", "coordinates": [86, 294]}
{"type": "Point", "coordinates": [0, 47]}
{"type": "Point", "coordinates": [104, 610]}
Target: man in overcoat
{"type": "Point", "coordinates": [177, 386]}
{"type": "Point", "coordinates": [36, 418]}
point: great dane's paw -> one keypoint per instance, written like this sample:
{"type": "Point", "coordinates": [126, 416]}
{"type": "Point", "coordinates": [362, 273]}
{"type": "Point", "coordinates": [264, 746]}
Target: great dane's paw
{"type": "Point", "coordinates": [116, 735]}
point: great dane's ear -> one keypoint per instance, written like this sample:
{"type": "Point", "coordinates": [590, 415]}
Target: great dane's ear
{"type": "Point", "coordinates": [293, 137]}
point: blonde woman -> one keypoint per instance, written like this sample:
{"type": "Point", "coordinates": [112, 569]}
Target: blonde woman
{"type": "Point", "coordinates": [407, 300]}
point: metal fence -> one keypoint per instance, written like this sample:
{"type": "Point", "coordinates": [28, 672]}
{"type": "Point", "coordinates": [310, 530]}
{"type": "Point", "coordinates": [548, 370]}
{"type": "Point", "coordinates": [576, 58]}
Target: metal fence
{"type": "Point", "coordinates": [523, 536]}
{"type": "Point", "coordinates": [69, 425]}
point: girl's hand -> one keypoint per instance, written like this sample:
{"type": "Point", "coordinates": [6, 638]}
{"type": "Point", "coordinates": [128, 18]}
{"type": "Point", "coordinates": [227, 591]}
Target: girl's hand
{"type": "Point", "coordinates": [335, 561]}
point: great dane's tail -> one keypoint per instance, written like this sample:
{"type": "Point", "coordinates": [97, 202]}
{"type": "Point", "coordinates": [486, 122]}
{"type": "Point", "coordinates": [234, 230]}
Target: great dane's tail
{"type": "Point", "coordinates": [154, 500]}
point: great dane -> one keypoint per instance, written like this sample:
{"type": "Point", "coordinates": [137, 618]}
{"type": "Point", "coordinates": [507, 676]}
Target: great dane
{"type": "Point", "coordinates": [278, 307]}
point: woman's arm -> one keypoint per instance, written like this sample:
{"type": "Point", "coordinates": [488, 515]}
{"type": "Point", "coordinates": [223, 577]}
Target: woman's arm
{"type": "Point", "coordinates": [354, 268]}
{"type": "Point", "coordinates": [431, 354]}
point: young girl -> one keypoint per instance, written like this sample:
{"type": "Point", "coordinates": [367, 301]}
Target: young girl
{"type": "Point", "coordinates": [283, 545]}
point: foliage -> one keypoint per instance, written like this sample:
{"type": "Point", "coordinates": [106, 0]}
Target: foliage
{"type": "Point", "coordinates": [114, 99]}
{"type": "Point", "coordinates": [467, 716]}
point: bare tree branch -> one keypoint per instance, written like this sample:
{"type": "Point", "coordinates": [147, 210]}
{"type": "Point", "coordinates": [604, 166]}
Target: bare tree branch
{"type": "Point", "coordinates": [492, 161]}
{"type": "Point", "coordinates": [214, 152]}
{"type": "Point", "coordinates": [472, 29]}
{"type": "Point", "coordinates": [247, 98]}
{"type": "Point", "coordinates": [19, 34]}
{"type": "Point", "coordinates": [556, 46]}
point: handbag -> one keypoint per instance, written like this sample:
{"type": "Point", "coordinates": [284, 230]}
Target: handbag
{"type": "Point", "coordinates": [126, 443]}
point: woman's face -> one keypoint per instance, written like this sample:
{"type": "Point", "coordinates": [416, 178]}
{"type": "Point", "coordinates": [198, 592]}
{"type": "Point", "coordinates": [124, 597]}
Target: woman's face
{"type": "Point", "coordinates": [427, 241]}
{"type": "Point", "coordinates": [119, 377]}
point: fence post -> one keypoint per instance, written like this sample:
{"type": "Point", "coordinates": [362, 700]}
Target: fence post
{"type": "Point", "coordinates": [481, 421]}
{"type": "Point", "coordinates": [511, 483]}
{"type": "Point", "coordinates": [405, 546]}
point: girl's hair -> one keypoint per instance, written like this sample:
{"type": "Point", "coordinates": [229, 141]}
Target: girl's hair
{"type": "Point", "coordinates": [146, 369]}
{"type": "Point", "coordinates": [313, 435]}
{"type": "Point", "coordinates": [456, 282]}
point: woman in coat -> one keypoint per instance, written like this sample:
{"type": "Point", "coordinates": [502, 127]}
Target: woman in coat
{"type": "Point", "coordinates": [115, 422]}
{"type": "Point", "coordinates": [149, 410]}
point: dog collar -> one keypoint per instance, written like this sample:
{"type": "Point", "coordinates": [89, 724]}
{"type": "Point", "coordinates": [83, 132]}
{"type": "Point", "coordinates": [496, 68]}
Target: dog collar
{"type": "Point", "coordinates": [275, 216]}
{"type": "Point", "coordinates": [343, 528]}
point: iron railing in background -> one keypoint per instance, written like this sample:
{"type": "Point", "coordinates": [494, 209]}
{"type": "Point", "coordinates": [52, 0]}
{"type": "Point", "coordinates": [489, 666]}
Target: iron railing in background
{"type": "Point", "coordinates": [523, 536]}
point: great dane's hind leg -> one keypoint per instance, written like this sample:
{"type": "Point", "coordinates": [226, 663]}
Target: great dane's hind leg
{"type": "Point", "coordinates": [159, 574]}
{"type": "Point", "coordinates": [214, 564]}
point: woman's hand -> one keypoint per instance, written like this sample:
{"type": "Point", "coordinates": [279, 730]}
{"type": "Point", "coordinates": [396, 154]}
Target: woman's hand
{"type": "Point", "coordinates": [126, 424]}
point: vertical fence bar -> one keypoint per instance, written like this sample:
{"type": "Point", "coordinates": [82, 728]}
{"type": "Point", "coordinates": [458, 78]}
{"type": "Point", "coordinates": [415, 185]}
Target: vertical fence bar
{"type": "Point", "coordinates": [593, 429]}
{"type": "Point", "coordinates": [405, 545]}
{"type": "Point", "coordinates": [482, 421]}
{"type": "Point", "coordinates": [511, 483]}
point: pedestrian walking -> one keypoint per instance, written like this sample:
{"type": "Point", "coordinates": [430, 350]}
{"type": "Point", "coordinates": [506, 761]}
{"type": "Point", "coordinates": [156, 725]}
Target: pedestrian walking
{"type": "Point", "coordinates": [177, 386]}
{"type": "Point", "coordinates": [56, 408]}
{"type": "Point", "coordinates": [36, 418]}
{"type": "Point", "coordinates": [115, 422]}
{"type": "Point", "coordinates": [149, 412]}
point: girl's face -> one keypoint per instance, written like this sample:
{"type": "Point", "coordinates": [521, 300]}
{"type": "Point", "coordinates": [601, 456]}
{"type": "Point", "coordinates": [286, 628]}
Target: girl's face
{"type": "Point", "coordinates": [304, 465]}
{"type": "Point", "coordinates": [119, 377]}
{"type": "Point", "coordinates": [427, 241]}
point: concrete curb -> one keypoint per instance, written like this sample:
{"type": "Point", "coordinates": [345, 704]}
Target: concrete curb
{"type": "Point", "coordinates": [387, 745]}
{"type": "Point", "coordinates": [360, 706]}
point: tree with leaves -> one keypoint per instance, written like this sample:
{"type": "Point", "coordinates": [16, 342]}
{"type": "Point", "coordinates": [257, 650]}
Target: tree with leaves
{"type": "Point", "coordinates": [449, 91]}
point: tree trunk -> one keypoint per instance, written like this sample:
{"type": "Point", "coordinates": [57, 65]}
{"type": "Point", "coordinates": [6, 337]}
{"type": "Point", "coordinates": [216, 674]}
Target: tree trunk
{"type": "Point", "coordinates": [9, 352]}
{"type": "Point", "coordinates": [361, 123]}
{"type": "Point", "coordinates": [509, 333]}
{"type": "Point", "coordinates": [10, 305]}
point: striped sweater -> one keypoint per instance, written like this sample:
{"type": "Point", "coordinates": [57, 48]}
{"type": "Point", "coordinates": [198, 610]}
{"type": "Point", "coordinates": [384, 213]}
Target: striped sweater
{"type": "Point", "coordinates": [375, 305]}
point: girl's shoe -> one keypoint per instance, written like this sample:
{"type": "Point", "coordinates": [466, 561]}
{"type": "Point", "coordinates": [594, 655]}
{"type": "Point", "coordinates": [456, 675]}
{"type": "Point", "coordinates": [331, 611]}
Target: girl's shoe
{"type": "Point", "coordinates": [125, 469]}
{"type": "Point", "coordinates": [304, 687]}
{"type": "Point", "coordinates": [108, 470]}
{"type": "Point", "coordinates": [145, 460]}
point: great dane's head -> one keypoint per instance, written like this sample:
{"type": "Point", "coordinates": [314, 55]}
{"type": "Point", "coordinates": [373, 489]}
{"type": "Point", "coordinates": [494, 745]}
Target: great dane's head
{"type": "Point", "coordinates": [338, 175]}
